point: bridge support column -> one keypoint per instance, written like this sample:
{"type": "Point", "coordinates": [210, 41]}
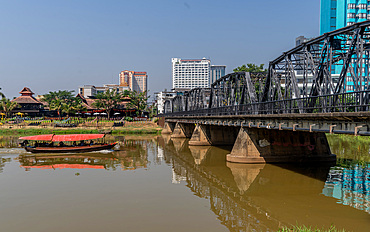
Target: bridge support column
{"type": "Point", "coordinates": [168, 128]}
{"type": "Point", "coordinates": [206, 135]}
{"type": "Point", "coordinates": [277, 146]}
{"type": "Point", "coordinates": [183, 130]}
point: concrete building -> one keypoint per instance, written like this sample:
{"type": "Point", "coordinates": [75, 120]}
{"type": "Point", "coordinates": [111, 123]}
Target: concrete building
{"type": "Point", "coordinates": [136, 81]}
{"type": "Point", "coordinates": [217, 71]}
{"type": "Point", "coordinates": [194, 73]}
{"type": "Point", "coordinates": [190, 73]}
{"type": "Point", "coordinates": [161, 97]}
{"type": "Point", "coordinates": [90, 91]}
{"type": "Point", "coordinates": [335, 14]}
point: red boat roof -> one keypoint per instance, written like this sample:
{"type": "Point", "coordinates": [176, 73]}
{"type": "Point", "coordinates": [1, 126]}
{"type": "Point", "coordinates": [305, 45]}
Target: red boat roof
{"type": "Point", "coordinates": [76, 137]}
{"type": "Point", "coordinates": [57, 138]}
{"type": "Point", "coordinates": [48, 137]}
{"type": "Point", "coordinates": [62, 166]}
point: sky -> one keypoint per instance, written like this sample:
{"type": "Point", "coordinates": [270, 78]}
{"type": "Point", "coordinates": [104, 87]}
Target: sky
{"type": "Point", "coordinates": [61, 45]}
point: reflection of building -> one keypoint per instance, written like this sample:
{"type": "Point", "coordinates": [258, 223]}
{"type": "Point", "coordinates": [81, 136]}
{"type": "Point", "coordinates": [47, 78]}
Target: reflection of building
{"type": "Point", "coordinates": [28, 104]}
{"type": "Point", "coordinates": [136, 81]}
{"type": "Point", "coordinates": [350, 186]}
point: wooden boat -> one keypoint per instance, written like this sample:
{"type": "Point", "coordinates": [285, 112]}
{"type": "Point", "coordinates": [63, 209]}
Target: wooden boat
{"type": "Point", "coordinates": [62, 148]}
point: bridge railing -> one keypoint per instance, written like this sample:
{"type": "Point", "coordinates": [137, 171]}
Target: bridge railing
{"type": "Point", "coordinates": [343, 102]}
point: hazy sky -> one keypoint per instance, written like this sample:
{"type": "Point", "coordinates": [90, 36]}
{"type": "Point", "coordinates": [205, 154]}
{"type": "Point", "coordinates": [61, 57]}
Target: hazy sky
{"type": "Point", "coordinates": [60, 45]}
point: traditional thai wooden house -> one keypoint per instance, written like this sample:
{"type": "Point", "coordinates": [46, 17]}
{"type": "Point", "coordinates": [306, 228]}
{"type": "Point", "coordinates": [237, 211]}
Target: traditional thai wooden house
{"type": "Point", "coordinates": [28, 104]}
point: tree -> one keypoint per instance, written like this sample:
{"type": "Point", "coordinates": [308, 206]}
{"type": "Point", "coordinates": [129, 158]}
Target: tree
{"type": "Point", "coordinates": [138, 101]}
{"type": "Point", "coordinates": [63, 101]}
{"type": "Point", "coordinates": [1, 94]}
{"type": "Point", "coordinates": [6, 106]}
{"type": "Point", "coordinates": [108, 101]}
{"type": "Point", "coordinates": [250, 68]}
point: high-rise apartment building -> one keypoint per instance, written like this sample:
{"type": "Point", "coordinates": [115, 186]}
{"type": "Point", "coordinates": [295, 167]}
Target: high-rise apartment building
{"type": "Point", "coordinates": [194, 73]}
{"type": "Point", "coordinates": [335, 14]}
{"type": "Point", "coordinates": [217, 71]}
{"type": "Point", "coordinates": [136, 81]}
{"type": "Point", "coordinates": [190, 73]}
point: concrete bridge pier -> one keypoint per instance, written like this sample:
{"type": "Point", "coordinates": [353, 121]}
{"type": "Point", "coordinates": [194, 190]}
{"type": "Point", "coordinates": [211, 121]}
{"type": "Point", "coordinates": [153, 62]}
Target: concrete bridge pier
{"type": "Point", "coordinates": [168, 128]}
{"type": "Point", "coordinates": [183, 130]}
{"type": "Point", "coordinates": [210, 135]}
{"type": "Point", "coordinates": [256, 145]}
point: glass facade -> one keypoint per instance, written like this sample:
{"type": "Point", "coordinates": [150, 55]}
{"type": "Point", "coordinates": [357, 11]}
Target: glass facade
{"type": "Point", "coordinates": [335, 14]}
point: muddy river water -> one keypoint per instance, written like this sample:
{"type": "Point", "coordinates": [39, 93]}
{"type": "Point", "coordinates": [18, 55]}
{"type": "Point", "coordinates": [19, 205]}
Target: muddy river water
{"type": "Point", "coordinates": [155, 183]}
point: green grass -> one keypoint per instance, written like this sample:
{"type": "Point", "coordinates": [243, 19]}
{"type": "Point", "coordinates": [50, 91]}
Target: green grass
{"type": "Point", "coordinates": [351, 147]}
{"type": "Point", "coordinates": [309, 229]}
{"type": "Point", "coordinates": [35, 131]}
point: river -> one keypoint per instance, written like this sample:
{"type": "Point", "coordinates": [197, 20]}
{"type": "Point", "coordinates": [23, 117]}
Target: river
{"type": "Point", "coordinates": [155, 183]}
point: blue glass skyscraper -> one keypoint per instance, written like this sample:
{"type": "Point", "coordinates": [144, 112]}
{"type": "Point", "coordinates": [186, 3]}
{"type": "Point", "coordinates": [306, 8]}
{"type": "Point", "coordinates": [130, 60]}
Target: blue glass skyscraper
{"type": "Point", "coordinates": [335, 14]}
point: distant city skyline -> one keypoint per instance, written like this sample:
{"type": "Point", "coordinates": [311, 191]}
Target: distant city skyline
{"type": "Point", "coordinates": [61, 45]}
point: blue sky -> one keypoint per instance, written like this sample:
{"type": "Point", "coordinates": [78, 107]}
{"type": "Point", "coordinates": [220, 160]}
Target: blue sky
{"type": "Point", "coordinates": [61, 45]}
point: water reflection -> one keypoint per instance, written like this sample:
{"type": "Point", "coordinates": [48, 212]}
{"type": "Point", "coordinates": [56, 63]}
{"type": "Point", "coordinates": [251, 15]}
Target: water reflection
{"type": "Point", "coordinates": [261, 197]}
{"type": "Point", "coordinates": [8, 141]}
{"type": "Point", "coordinates": [242, 197]}
{"type": "Point", "coordinates": [3, 161]}
{"type": "Point", "coordinates": [350, 185]}
{"type": "Point", "coordinates": [133, 156]}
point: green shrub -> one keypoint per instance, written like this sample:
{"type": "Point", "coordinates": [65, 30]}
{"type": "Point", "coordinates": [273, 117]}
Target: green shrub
{"type": "Point", "coordinates": [129, 119]}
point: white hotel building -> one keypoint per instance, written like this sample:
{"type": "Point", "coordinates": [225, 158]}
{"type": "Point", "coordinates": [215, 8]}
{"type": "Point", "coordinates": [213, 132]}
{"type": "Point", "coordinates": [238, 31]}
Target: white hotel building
{"type": "Point", "coordinates": [188, 74]}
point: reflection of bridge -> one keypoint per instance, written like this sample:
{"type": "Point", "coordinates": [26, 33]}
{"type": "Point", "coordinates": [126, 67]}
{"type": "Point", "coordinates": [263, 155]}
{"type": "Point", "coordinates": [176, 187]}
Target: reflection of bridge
{"type": "Point", "coordinates": [259, 197]}
{"type": "Point", "coordinates": [282, 115]}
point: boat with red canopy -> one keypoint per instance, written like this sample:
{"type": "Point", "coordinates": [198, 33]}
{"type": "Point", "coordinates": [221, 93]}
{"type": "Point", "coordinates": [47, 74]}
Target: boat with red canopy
{"type": "Point", "coordinates": [47, 143]}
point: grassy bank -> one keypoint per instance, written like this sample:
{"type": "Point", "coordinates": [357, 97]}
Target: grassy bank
{"type": "Point", "coordinates": [133, 128]}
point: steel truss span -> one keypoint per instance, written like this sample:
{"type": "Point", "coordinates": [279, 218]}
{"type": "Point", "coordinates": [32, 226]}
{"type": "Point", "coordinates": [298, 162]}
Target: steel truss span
{"type": "Point", "coordinates": [326, 74]}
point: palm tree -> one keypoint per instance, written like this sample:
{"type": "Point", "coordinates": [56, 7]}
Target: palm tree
{"type": "Point", "coordinates": [138, 101]}
{"type": "Point", "coordinates": [1, 94]}
{"type": "Point", "coordinates": [6, 106]}
{"type": "Point", "coordinates": [108, 101]}
{"type": "Point", "coordinates": [57, 105]}
{"type": "Point", "coordinates": [73, 105]}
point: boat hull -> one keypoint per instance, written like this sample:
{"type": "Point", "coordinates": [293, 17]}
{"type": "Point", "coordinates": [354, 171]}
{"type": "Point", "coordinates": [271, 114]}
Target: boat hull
{"type": "Point", "coordinates": [77, 149]}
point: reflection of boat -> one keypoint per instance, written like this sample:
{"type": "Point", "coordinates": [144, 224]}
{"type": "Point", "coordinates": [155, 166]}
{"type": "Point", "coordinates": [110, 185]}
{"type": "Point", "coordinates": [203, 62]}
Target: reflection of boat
{"type": "Point", "coordinates": [65, 148]}
{"type": "Point", "coordinates": [61, 161]}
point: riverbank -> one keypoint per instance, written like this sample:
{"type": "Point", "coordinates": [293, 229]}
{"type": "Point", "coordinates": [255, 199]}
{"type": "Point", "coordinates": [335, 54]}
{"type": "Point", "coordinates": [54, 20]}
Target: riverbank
{"type": "Point", "coordinates": [128, 128]}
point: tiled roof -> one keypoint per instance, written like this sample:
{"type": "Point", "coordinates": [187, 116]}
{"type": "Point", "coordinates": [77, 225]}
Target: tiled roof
{"type": "Point", "coordinates": [26, 100]}
{"type": "Point", "coordinates": [26, 90]}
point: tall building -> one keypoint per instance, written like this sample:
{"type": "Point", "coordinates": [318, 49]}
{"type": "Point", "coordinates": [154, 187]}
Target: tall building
{"type": "Point", "coordinates": [217, 71]}
{"type": "Point", "coordinates": [335, 14]}
{"type": "Point", "coordinates": [194, 73]}
{"type": "Point", "coordinates": [136, 81]}
{"type": "Point", "coordinates": [190, 73]}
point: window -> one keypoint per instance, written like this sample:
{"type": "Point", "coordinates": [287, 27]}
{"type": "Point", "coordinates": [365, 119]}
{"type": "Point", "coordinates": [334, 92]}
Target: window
{"type": "Point", "coordinates": [351, 15]}
{"type": "Point", "coordinates": [351, 6]}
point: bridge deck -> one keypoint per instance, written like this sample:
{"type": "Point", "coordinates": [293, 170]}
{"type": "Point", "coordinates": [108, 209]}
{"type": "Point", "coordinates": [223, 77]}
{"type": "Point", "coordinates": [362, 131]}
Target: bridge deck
{"type": "Point", "coordinates": [356, 123]}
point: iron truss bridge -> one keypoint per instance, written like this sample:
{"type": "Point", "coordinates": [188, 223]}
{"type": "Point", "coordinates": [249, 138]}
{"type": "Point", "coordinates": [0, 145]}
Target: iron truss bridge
{"type": "Point", "coordinates": [325, 78]}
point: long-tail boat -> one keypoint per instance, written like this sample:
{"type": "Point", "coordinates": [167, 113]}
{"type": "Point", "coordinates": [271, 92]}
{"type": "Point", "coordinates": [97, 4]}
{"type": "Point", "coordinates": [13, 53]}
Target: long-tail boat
{"type": "Point", "coordinates": [67, 143]}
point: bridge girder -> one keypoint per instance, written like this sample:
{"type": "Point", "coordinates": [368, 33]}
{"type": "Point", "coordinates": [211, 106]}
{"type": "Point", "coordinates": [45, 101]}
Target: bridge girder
{"type": "Point", "coordinates": [309, 78]}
